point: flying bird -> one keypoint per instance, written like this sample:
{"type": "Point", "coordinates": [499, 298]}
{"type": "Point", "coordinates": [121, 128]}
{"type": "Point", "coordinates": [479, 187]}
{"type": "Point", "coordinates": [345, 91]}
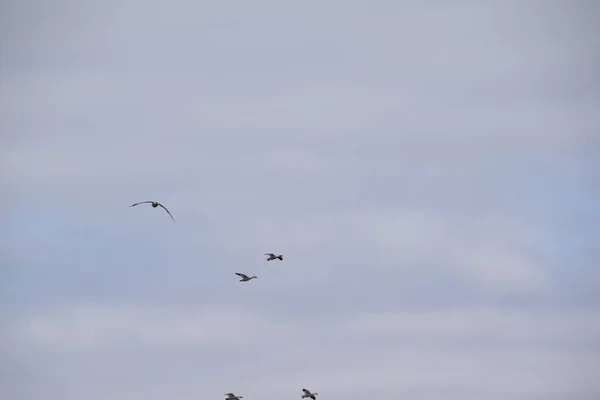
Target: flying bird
{"type": "Point", "coordinates": [273, 256]}
{"type": "Point", "coordinates": [245, 278]}
{"type": "Point", "coordinates": [307, 393]}
{"type": "Point", "coordinates": [154, 205]}
{"type": "Point", "coordinates": [231, 396]}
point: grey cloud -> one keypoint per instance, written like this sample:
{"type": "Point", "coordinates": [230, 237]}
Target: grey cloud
{"type": "Point", "coordinates": [428, 170]}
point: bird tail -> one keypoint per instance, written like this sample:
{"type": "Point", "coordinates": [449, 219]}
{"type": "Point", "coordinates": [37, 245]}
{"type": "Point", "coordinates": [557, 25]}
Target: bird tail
{"type": "Point", "coordinates": [280, 257]}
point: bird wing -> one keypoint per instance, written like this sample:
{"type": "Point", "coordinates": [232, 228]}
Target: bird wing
{"type": "Point", "coordinates": [306, 391]}
{"type": "Point", "coordinates": [242, 275]}
{"type": "Point", "coordinates": [312, 396]}
{"type": "Point", "coordinates": [141, 202]}
{"type": "Point", "coordinates": [269, 254]}
{"type": "Point", "coordinates": [165, 208]}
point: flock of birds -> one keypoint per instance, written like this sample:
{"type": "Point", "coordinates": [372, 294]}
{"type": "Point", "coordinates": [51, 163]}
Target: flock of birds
{"type": "Point", "coordinates": [307, 393]}
{"type": "Point", "coordinates": [244, 278]}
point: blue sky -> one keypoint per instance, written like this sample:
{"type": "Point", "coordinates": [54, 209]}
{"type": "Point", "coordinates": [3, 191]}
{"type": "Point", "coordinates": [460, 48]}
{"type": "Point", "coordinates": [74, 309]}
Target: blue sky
{"type": "Point", "coordinates": [429, 170]}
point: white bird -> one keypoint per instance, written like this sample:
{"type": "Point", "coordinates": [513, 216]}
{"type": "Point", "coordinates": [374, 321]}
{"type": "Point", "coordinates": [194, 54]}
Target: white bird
{"type": "Point", "coordinates": [231, 396]}
{"type": "Point", "coordinates": [307, 393]}
{"type": "Point", "coordinates": [245, 278]}
{"type": "Point", "coordinates": [273, 256]}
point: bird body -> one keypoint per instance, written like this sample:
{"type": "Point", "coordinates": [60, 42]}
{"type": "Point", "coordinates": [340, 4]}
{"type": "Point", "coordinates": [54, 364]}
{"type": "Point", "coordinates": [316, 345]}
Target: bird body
{"type": "Point", "coordinates": [307, 393]}
{"type": "Point", "coordinates": [154, 204]}
{"type": "Point", "coordinates": [274, 256]}
{"type": "Point", "coordinates": [245, 278]}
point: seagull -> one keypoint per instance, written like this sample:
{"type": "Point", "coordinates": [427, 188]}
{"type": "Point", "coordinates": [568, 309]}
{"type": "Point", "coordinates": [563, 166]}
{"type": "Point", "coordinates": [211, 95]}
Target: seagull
{"type": "Point", "coordinates": [245, 278]}
{"type": "Point", "coordinates": [231, 396]}
{"type": "Point", "coordinates": [154, 205]}
{"type": "Point", "coordinates": [273, 256]}
{"type": "Point", "coordinates": [307, 393]}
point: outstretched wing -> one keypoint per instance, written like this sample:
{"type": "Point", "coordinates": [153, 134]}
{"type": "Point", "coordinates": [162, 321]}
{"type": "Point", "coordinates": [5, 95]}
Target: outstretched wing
{"type": "Point", "coordinates": [306, 391]}
{"type": "Point", "coordinates": [141, 202]}
{"type": "Point", "coordinates": [165, 208]}
{"type": "Point", "coordinates": [269, 254]}
{"type": "Point", "coordinates": [242, 275]}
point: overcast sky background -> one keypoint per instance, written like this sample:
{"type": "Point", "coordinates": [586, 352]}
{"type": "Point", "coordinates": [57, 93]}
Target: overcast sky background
{"type": "Point", "coordinates": [429, 170]}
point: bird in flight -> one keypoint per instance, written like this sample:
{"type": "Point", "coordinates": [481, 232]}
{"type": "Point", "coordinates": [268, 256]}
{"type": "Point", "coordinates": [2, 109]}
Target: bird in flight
{"type": "Point", "coordinates": [231, 396]}
{"type": "Point", "coordinates": [307, 393]}
{"type": "Point", "coordinates": [245, 278]}
{"type": "Point", "coordinates": [273, 256]}
{"type": "Point", "coordinates": [154, 205]}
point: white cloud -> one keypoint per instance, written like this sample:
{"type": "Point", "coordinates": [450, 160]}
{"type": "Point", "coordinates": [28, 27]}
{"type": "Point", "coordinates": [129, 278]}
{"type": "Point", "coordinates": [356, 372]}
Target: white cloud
{"type": "Point", "coordinates": [92, 329]}
{"type": "Point", "coordinates": [482, 350]}
{"type": "Point", "coordinates": [481, 323]}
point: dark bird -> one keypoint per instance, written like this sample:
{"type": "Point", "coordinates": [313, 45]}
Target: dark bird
{"type": "Point", "coordinates": [307, 393]}
{"type": "Point", "coordinates": [245, 278]}
{"type": "Point", "coordinates": [154, 205]}
{"type": "Point", "coordinates": [274, 256]}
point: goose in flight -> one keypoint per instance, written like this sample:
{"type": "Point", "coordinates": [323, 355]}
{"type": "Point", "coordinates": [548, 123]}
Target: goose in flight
{"type": "Point", "coordinates": [154, 205]}
{"type": "Point", "coordinates": [273, 256]}
{"type": "Point", "coordinates": [307, 393]}
{"type": "Point", "coordinates": [245, 278]}
{"type": "Point", "coordinates": [231, 396]}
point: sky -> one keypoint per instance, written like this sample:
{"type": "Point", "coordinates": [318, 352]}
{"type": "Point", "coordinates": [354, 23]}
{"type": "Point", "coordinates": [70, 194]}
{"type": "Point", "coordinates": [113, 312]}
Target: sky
{"type": "Point", "coordinates": [429, 170]}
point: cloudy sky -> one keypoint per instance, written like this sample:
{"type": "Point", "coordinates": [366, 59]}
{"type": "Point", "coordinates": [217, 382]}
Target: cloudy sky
{"type": "Point", "coordinates": [429, 170]}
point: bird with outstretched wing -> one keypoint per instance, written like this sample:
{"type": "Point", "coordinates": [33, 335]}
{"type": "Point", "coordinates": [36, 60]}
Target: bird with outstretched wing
{"type": "Point", "coordinates": [274, 256]}
{"type": "Point", "coordinates": [307, 393]}
{"type": "Point", "coordinates": [245, 278]}
{"type": "Point", "coordinates": [154, 205]}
